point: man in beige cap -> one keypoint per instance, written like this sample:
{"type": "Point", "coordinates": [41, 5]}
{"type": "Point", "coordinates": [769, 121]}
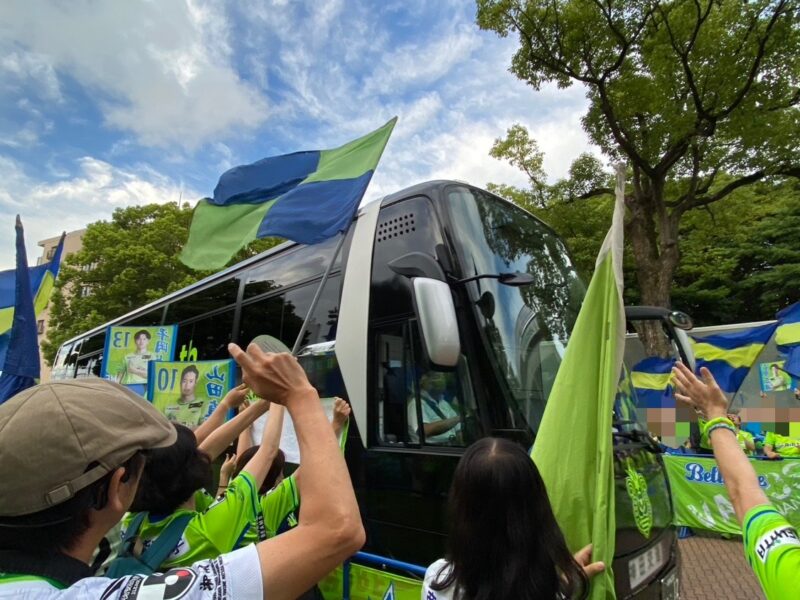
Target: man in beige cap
{"type": "Point", "coordinates": [71, 454]}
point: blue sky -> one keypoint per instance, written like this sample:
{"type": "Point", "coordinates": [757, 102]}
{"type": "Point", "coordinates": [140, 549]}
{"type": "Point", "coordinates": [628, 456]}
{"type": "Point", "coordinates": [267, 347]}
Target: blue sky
{"type": "Point", "coordinates": [111, 104]}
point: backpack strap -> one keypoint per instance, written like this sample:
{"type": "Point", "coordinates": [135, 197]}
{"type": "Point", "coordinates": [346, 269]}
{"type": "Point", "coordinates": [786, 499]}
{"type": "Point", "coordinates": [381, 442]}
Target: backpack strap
{"type": "Point", "coordinates": [165, 543]}
{"type": "Point", "coordinates": [131, 533]}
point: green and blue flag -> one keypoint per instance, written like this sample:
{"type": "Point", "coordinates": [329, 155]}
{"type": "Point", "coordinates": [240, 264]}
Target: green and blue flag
{"type": "Point", "coordinates": [580, 475]}
{"type": "Point", "coordinates": [307, 197]}
{"type": "Point", "coordinates": [42, 280]}
{"type": "Point", "coordinates": [20, 366]}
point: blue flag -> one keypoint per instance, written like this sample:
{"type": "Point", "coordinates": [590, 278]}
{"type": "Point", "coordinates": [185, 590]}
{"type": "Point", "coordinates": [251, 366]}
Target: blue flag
{"type": "Point", "coordinates": [651, 379]}
{"type": "Point", "coordinates": [42, 277]}
{"type": "Point", "coordinates": [21, 366]}
{"type": "Point", "coordinates": [787, 338]}
{"type": "Point", "coordinates": [729, 356]}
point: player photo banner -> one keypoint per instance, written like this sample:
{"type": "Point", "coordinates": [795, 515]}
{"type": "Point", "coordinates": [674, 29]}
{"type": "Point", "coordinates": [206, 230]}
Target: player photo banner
{"type": "Point", "coordinates": [773, 377]}
{"type": "Point", "coordinates": [188, 392]}
{"type": "Point", "coordinates": [130, 348]}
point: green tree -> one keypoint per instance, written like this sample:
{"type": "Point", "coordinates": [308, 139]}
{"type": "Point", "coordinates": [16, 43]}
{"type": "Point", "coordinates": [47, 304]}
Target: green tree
{"type": "Point", "coordinates": [124, 264]}
{"type": "Point", "coordinates": [740, 259]}
{"type": "Point", "coordinates": [684, 91]}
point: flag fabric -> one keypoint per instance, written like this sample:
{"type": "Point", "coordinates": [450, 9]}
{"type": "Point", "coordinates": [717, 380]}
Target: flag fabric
{"type": "Point", "coordinates": [307, 197]}
{"type": "Point", "coordinates": [21, 367]}
{"type": "Point", "coordinates": [579, 475]}
{"type": "Point", "coordinates": [787, 338]}
{"type": "Point", "coordinates": [42, 279]}
{"type": "Point", "coordinates": [729, 356]}
{"type": "Point", "coordinates": [651, 379]}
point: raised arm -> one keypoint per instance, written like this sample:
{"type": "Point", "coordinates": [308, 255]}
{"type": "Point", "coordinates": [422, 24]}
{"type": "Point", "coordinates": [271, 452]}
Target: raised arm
{"type": "Point", "coordinates": [740, 477]}
{"type": "Point", "coordinates": [233, 399]}
{"type": "Point", "coordinates": [329, 528]}
{"type": "Point", "coordinates": [223, 436]}
{"type": "Point", "coordinates": [259, 465]}
{"type": "Point", "coordinates": [225, 472]}
{"type": "Point", "coordinates": [245, 440]}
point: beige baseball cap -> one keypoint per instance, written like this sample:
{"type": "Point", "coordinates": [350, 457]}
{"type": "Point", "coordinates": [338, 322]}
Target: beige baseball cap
{"type": "Point", "coordinates": [51, 433]}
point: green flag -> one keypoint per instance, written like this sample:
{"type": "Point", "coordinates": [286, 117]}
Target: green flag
{"type": "Point", "coordinates": [579, 475]}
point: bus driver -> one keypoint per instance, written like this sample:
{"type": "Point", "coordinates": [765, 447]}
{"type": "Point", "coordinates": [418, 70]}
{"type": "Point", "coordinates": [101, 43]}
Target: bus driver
{"type": "Point", "coordinates": [441, 423]}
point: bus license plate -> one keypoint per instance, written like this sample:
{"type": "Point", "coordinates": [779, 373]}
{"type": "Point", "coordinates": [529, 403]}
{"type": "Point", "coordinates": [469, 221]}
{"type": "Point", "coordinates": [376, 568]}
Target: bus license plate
{"type": "Point", "coordinates": [669, 586]}
{"type": "Point", "coordinates": [643, 567]}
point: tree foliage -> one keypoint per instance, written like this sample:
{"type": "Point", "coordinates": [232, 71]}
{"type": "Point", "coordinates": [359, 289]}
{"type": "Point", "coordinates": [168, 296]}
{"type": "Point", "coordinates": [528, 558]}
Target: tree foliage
{"type": "Point", "coordinates": [740, 258]}
{"type": "Point", "coordinates": [699, 97]}
{"type": "Point", "coordinates": [124, 264]}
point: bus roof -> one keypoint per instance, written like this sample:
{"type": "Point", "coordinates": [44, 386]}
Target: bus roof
{"type": "Point", "coordinates": [245, 264]}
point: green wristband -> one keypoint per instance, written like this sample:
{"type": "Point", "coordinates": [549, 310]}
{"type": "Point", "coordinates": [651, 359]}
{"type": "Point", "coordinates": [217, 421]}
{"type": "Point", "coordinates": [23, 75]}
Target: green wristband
{"type": "Point", "coordinates": [718, 421]}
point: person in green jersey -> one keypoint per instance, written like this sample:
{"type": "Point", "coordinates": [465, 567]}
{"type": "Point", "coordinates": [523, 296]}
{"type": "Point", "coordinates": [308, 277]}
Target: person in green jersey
{"type": "Point", "coordinates": [771, 544]}
{"type": "Point", "coordinates": [135, 370]}
{"type": "Point", "coordinates": [778, 446]}
{"type": "Point", "coordinates": [83, 470]}
{"type": "Point", "coordinates": [744, 437]}
{"type": "Point", "coordinates": [173, 475]}
{"type": "Point", "coordinates": [279, 498]}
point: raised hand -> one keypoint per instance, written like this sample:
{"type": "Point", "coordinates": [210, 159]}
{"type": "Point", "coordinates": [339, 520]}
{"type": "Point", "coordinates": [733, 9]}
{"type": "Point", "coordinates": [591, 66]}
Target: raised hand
{"type": "Point", "coordinates": [236, 397]}
{"type": "Point", "coordinates": [278, 377]}
{"type": "Point", "coordinates": [341, 412]}
{"type": "Point", "coordinates": [226, 470]}
{"type": "Point", "coordinates": [704, 395]}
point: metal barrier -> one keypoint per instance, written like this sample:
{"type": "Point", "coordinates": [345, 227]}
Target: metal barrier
{"type": "Point", "coordinates": [375, 560]}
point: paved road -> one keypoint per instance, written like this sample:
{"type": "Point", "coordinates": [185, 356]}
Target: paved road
{"type": "Point", "coordinates": [713, 568]}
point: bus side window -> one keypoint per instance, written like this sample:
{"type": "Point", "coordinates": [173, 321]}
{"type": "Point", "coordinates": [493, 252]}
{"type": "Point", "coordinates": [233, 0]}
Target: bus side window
{"type": "Point", "coordinates": [209, 335]}
{"type": "Point", "coordinates": [262, 317]}
{"type": "Point", "coordinates": [60, 363]}
{"type": "Point", "coordinates": [394, 383]}
{"type": "Point", "coordinates": [416, 404]}
{"type": "Point", "coordinates": [88, 366]}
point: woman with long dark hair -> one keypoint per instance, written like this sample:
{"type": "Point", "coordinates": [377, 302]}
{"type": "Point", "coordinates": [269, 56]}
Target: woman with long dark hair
{"type": "Point", "coordinates": [504, 540]}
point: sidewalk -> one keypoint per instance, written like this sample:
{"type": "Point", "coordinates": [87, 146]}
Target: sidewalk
{"type": "Point", "coordinates": [713, 568]}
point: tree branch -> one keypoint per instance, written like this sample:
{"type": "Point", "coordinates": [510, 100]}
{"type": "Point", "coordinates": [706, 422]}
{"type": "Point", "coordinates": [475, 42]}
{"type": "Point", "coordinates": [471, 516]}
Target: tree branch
{"type": "Point", "coordinates": [601, 191]}
{"type": "Point", "coordinates": [726, 190]}
{"type": "Point", "coordinates": [779, 10]}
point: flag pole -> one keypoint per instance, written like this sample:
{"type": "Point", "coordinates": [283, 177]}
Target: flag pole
{"type": "Point", "coordinates": [318, 293]}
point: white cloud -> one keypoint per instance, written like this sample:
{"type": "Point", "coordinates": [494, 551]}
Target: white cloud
{"type": "Point", "coordinates": [29, 66]}
{"type": "Point", "coordinates": [73, 202]}
{"type": "Point", "coordinates": [423, 64]}
{"type": "Point", "coordinates": [161, 70]}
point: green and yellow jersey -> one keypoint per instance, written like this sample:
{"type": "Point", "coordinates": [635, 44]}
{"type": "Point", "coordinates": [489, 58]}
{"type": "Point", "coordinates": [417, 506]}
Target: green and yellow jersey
{"type": "Point", "coordinates": [276, 506]}
{"type": "Point", "coordinates": [136, 362]}
{"type": "Point", "coordinates": [743, 437]}
{"type": "Point", "coordinates": [188, 414]}
{"type": "Point", "coordinates": [217, 530]}
{"type": "Point", "coordinates": [772, 548]}
{"type": "Point", "coordinates": [782, 444]}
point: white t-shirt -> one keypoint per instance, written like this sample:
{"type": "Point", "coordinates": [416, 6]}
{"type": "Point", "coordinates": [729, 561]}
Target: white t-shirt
{"type": "Point", "coordinates": [234, 575]}
{"type": "Point", "coordinates": [431, 575]}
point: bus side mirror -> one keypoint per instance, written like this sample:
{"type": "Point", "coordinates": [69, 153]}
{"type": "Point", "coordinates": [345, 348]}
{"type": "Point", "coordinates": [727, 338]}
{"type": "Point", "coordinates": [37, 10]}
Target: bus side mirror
{"type": "Point", "coordinates": [433, 302]}
{"type": "Point", "coordinates": [685, 348]}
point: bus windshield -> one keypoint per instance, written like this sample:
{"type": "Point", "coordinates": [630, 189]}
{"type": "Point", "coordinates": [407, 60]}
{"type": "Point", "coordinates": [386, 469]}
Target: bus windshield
{"type": "Point", "coordinates": [525, 329]}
